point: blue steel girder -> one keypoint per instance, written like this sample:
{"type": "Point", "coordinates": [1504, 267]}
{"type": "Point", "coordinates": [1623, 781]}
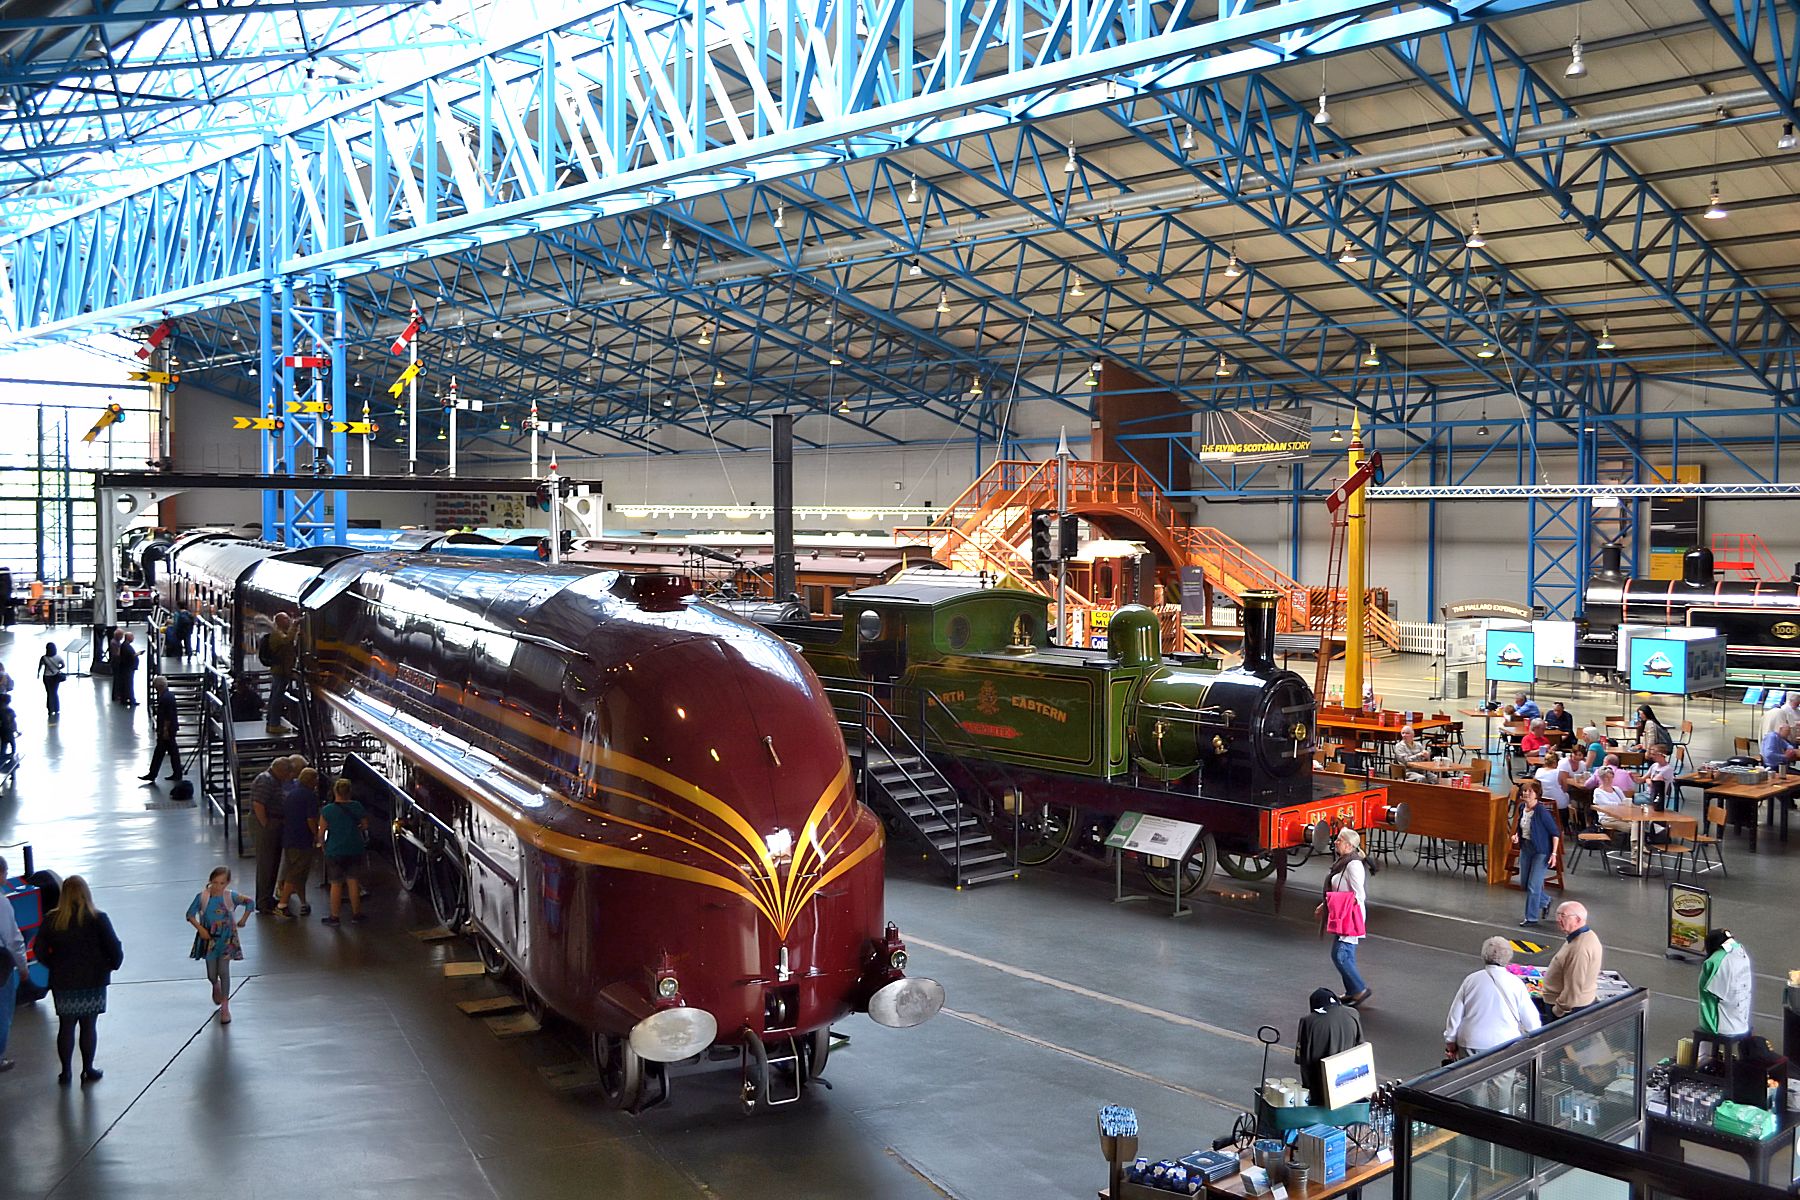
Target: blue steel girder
{"type": "Point", "coordinates": [1489, 85]}
{"type": "Point", "coordinates": [309, 404]}
{"type": "Point", "coordinates": [674, 102]}
{"type": "Point", "coordinates": [1411, 260]}
{"type": "Point", "coordinates": [1765, 36]}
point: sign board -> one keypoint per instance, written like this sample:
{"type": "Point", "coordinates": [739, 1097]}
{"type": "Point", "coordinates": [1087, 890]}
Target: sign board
{"type": "Point", "coordinates": [1193, 592]}
{"type": "Point", "coordinates": [1349, 1076]}
{"type": "Point", "coordinates": [1554, 642]}
{"type": "Point", "coordinates": [1161, 836]}
{"type": "Point", "coordinates": [1464, 610]}
{"type": "Point", "coordinates": [1676, 665]}
{"type": "Point", "coordinates": [1465, 643]}
{"type": "Point", "coordinates": [1512, 655]}
{"type": "Point", "coordinates": [1689, 919]}
{"type": "Point", "coordinates": [1256, 435]}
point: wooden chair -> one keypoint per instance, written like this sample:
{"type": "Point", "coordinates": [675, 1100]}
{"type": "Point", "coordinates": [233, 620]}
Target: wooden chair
{"type": "Point", "coordinates": [1744, 747]}
{"type": "Point", "coordinates": [1478, 771]}
{"type": "Point", "coordinates": [1334, 768]}
{"type": "Point", "coordinates": [1707, 845]}
{"type": "Point", "coordinates": [1579, 836]}
{"type": "Point", "coordinates": [1677, 851]}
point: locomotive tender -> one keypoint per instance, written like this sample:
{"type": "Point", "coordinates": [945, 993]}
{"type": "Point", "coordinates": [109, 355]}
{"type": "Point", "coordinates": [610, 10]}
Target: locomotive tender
{"type": "Point", "coordinates": [639, 806]}
{"type": "Point", "coordinates": [1078, 736]}
{"type": "Point", "coordinates": [1760, 619]}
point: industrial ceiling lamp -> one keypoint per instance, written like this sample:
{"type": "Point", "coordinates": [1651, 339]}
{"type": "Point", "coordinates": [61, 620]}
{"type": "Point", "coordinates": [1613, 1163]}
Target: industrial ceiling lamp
{"type": "Point", "coordinates": [975, 386]}
{"type": "Point", "coordinates": [1487, 350]}
{"type": "Point", "coordinates": [912, 191]}
{"type": "Point", "coordinates": [1577, 68]}
{"type": "Point", "coordinates": [1323, 116]}
{"type": "Point", "coordinates": [718, 378]}
{"type": "Point", "coordinates": [836, 359]}
{"type": "Point", "coordinates": [1077, 290]}
{"type": "Point", "coordinates": [1223, 369]}
{"type": "Point", "coordinates": [1715, 211]}
{"type": "Point", "coordinates": [1069, 163]}
{"type": "Point", "coordinates": [1370, 358]}
{"type": "Point", "coordinates": [1482, 430]}
{"type": "Point", "coordinates": [1347, 257]}
{"type": "Point", "coordinates": [1337, 434]}
{"type": "Point", "coordinates": [1606, 339]}
{"type": "Point", "coordinates": [943, 304]}
{"type": "Point", "coordinates": [624, 273]}
{"type": "Point", "coordinates": [1787, 140]}
{"type": "Point", "coordinates": [1475, 240]}
{"type": "Point", "coordinates": [1187, 139]}
{"type": "Point", "coordinates": [505, 425]}
{"type": "Point", "coordinates": [844, 405]}
{"type": "Point", "coordinates": [668, 238]}
{"type": "Point", "coordinates": [780, 214]}
{"type": "Point", "coordinates": [506, 270]}
{"type": "Point", "coordinates": [706, 335]}
{"type": "Point", "coordinates": [913, 268]}
{"type": "Point", "coordinates": [1233, 268]}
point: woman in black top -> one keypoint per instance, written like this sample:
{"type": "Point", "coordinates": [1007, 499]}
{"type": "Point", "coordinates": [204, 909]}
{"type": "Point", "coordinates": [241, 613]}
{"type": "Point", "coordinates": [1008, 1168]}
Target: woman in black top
{"type": "Point", "coordinates": [1651, 733]}
{"type": "Point", "coordinates": [78, 947]}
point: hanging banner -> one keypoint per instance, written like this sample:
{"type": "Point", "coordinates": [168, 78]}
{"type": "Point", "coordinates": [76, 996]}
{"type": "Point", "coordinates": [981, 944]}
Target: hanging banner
{"type": "Point", "coordinates": [1256, 435]}
{"type": "Point", "coordinates": [1689, 920]}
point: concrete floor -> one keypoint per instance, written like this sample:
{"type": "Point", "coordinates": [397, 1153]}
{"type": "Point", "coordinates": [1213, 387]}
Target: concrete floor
{"type": "Point", "coordinates": [349, 1071]}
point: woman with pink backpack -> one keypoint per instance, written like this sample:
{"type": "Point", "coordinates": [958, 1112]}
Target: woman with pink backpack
{"type": "Point", "coordinates": [1346, 911]}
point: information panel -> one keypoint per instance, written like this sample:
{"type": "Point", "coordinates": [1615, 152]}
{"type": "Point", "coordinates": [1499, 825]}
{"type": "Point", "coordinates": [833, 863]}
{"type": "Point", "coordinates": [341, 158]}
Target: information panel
{"type": "Point", "coordinates": [1161, 836]}
{"type": "Point", "coordinates": [1554, 642]}
{"type": "Point", "coordinates": [1511, 655]}
{"type": "Point", "coordinates": [1675, 665]}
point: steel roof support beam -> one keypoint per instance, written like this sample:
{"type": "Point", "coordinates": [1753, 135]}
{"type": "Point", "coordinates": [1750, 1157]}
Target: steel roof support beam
{"type": "Point", "coordinates": [654, 104]}
{"type": "Point", "coordinates": [1663, 247]}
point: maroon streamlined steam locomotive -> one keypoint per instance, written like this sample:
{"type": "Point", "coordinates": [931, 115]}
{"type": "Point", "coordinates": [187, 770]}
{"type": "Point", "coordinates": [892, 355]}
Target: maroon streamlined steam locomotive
{"type": "Point", "coordinates": [639, 806]}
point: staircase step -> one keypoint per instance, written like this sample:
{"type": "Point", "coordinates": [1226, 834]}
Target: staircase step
{"type": "Point", "coordinates": [973, 879]}
{"type": "Point", "coordinates": [935, 826]}
{"type": "Point", "coordinates": [924, 812]}
{"type": "Point", "coordinates": [947, 841]}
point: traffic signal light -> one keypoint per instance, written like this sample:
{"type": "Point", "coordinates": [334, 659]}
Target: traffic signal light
{"type": "Point", "coordinates": [1068, 536]}
{"type": "Point", "coordinates": [1041, 555]}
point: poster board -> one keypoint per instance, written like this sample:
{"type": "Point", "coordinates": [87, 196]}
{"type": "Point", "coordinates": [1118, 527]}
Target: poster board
{"type": "Point", "coordinates": [1688, 919]}
{"type": "Point", "coordinates": [1464, 643]}
{"type": "Point", "coordinates": [1676, 663]}
{"type": "Point", "coordinates": [1511, 655]}
{"type": "Point", "coordinates": [1553, 643]}
{"type": "Point", "coordinates": [1162, 836]}
{"type": "Point", "coordinates": [1350, 1076]}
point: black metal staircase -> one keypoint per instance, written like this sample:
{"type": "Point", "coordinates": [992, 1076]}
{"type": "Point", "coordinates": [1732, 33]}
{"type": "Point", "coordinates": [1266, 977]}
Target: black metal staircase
{"type": "Point", "coordinates": [900, 781]}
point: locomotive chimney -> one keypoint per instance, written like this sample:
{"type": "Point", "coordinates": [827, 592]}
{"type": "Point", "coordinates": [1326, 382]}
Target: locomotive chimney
{"type": "Point", "coordinates": [1697, 567]}
{"type": "Point", "coordinates": [1259, 629]}
{"type": "Point", "coordinates": [1612, 560]}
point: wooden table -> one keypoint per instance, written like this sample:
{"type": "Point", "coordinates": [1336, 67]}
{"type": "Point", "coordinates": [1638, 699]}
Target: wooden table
{"type": "Point", "coordinates": [1433, 766]}
{"type": "Point", "coordinates": [1776, 790]}
{"type": "Point", "coordinates": [1364, 1171]}
{"type": "Point", "coordinates": [1638, 816]}
{"type": "Point", "coordinates": [1362, 726]}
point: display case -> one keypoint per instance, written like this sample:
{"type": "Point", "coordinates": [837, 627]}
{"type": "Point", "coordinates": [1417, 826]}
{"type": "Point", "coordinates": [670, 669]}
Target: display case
{"type": "Point", "coordinates": [1557, 1114]}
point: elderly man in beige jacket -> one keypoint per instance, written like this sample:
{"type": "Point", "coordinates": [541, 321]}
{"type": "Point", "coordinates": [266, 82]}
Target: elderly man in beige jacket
{"type": "Point", "coordinates": [1572, 976]}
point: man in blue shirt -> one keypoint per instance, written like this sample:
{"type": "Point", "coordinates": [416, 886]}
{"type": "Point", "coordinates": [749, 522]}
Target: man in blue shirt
{"type": "Point", "coordinates": [1525, 708]}
{"type": "Point", "coordinates": [1777, 751]}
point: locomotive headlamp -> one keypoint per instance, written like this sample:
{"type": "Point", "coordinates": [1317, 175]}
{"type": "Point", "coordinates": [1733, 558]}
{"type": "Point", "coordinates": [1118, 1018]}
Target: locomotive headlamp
{"type": "Point", "coordinates": [897, 960]}
{"type": "Point", "coordinates": [1218, 744]}
{"type": "Point", "coordinates": [667, 987]}
{"type": "Point", "coordinates": [1298, 733]}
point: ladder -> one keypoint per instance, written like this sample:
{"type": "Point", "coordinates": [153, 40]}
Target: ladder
{"type": "Point", "coordinates": [1327, 622]}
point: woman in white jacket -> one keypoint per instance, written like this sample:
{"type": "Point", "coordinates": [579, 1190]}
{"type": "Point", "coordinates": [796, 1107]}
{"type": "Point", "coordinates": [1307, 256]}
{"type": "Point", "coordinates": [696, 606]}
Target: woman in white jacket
{"type": "Point", "coordinates": [1491, 1008]}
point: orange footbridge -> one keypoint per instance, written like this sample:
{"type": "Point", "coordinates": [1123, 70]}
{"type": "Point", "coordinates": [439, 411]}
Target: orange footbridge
{"type": "Point", "coordinates": [988, 528]}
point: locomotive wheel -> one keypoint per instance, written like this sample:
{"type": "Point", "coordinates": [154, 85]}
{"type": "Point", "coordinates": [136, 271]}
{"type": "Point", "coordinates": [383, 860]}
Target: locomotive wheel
{"type": "Point", "coordinates": [756, 1074]}
{"type": "Point", "coordinates": [1045, 831]}
{"type": "Point", "coordinates": [817, 1050]}
{"type": "Point", "coordinates": [492, 961]}
{"type": "Point", "coordinates": [409, 864]}
{"type": "Point", "coordinates": [621, 1072]}
{"type": "Point", "coordinates": [1160, 872]}
{"type": "Point", "coordinates": [449, 889]}
{"type": "Point", "coordinates": [1248, 867]}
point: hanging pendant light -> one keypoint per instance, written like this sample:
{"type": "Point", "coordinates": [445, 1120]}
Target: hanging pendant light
{"type": "Point", "coordinates": [1233, 268]}
{"type": "Point", "coordinates": [1223, 369]}
{"type": "Point", "coordinates": [706, 335]}
{"type": "Point", "coordinates": [1577, 68]}
{"type": "Point", "coordinates": [1787, 141]}
{"type": "Point", "coordinates": [844, 405]}
{"type": "Point", "coordinates": [1323, 115]}
{"type": "Point", "coordinates": [975, 386]}
{"type": "Point", "coordinates": [943, 304]}
{"type": "Point", "coordinates": [1337, 434]}
{"type": "Point", "coordinates": [1370, 358]}
{"type": "Point", "coordinates": [1715, 210]}
{"type": "Point", "coordinates": [1077, 290]}
{"type": "Point", "coordinates": [1474, 241]}
{"type": "Point", "coordinates": [912, 191]}
{"type": "Point", "coordinates": [1069, 164]}
{"type": "Point", "coordinates": [1606, 340]}
{"type": "Point", "coordinates": [1347, 257]}
{"type": "Point", "coordinates": [1487, 350]}
{"type": "Point", "coordinates": [718, 378]}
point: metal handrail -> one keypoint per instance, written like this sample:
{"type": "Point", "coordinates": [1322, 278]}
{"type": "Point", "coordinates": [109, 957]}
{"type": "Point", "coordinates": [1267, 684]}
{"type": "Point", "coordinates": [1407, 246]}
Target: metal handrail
{"type": "Point", "coordinates": [926, 729]}
{"type": "Point", "coordinates": [864, 694]}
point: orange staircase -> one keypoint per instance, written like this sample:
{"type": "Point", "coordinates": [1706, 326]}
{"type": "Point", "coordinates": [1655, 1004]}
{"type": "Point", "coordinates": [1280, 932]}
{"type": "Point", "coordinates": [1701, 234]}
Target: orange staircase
{"type": "Point", "coordinates": [988, 528]}
{"type": "Point", "coordinates": [1744, 555]}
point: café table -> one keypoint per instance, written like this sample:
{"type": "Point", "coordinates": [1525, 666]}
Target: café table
{"type": "Point", "coordinates": [1776, 790]}
{"type": "Point", "coordinates": [1638, 816]}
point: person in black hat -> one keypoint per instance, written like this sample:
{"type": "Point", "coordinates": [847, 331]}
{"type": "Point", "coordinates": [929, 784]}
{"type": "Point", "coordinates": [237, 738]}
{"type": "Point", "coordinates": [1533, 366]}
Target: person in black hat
{"type": "Point", "coordinates": [1328, 1028]}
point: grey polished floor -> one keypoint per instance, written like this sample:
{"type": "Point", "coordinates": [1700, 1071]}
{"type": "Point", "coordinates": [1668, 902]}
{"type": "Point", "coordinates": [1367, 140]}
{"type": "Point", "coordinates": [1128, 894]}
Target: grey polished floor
{"type": "Point", "coordinates": [349, 1071]}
